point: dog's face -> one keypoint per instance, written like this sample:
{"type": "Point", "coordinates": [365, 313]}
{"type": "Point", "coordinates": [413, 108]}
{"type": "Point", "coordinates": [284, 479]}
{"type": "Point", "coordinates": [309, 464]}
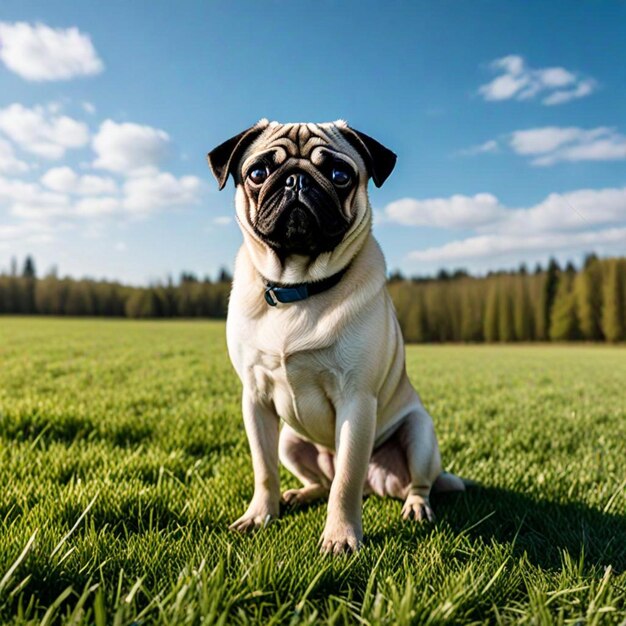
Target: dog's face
{"type": "Point", "coordinates": [301, 188]}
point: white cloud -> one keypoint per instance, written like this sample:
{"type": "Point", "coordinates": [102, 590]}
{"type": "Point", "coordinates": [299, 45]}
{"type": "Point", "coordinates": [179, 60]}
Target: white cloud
{"type": "Point", "coordinates": [131, 151]}
{"type": "Point", "coordinates": [17, 193]}
{"type": "Point", "coordinates": [9, 163]}
{"type": "Point", "coordinates": [541, 140]}
{"type": "Point", "coordinates": [66, 180]}
{"type": "Point", "coordinates": [222, 220]}
{"type": "Point", "coordinates": [578, 221]}
{"type": "Point", "coordinates": [24, 233]}
{"type": "Point", "coordinates": [491, 146]}
{"type": "Point", "coordinates": [484, 213]}
{"type": "Point", "coordinates": [556, 77]}
{"type": "Point", "coordinates": [89, 107]}
{"type": "Point", "coordinates": [551, 144]}
{"type": "Point", "coordinates": [583, 89]}
{"type": "Point", "coordinates": [493, 247]}
{"type": "Point", "coordinates": [40, 53]}
{"type": "Point", "coordinates": [457, 211]}
{"type": "Point", "coordinates": [517, 81]}
{"type": "Point", "coordinates": [511, 82]}
{"type": "Point", "coordinates": [41, 132]}
{"type": "Point", "coordinates": [145, 194]}
{"type": "Point", "coordinates": [66, 194]}
{"type": "Point", "coordinates": [90, 207]}
{"type": "Point", "coordinates": [129, 148]}
{"type": "Point", "coordinates": [576, 210]}
{"type": "Point", "coordinates": [54, 107]}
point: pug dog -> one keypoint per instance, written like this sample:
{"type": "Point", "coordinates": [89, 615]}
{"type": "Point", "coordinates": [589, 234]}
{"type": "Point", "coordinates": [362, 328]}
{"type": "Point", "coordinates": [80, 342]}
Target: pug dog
{"type": "Point", "coordinates": [313, 335]}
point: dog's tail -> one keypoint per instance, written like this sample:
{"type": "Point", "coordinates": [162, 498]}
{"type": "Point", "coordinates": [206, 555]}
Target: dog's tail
{"type": "Point", "coordinates": [446, 483]}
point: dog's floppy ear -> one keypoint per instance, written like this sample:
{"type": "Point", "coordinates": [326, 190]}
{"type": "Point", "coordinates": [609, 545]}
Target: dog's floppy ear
{"type": "Point", "coordinates": [379, 160]}
{"type": "Point", "coordinates": [223, 158]}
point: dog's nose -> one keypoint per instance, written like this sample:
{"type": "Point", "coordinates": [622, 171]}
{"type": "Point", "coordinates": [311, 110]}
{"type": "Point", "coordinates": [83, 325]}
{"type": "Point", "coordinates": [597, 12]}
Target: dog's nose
{"type": "Point", "coordinates": [297, 182]}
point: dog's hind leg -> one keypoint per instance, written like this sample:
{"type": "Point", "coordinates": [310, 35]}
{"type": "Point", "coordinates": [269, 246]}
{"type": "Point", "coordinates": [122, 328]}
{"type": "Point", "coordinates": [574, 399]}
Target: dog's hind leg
{"type": "Point", "coordinates": [424, 464]}
{"type": "Point", "coordinates": [314, 468]}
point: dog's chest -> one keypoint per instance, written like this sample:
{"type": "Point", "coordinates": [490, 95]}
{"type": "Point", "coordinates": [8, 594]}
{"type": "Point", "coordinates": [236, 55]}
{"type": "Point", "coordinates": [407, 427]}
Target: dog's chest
{"type": "Point", "coordinates": [300, 386]}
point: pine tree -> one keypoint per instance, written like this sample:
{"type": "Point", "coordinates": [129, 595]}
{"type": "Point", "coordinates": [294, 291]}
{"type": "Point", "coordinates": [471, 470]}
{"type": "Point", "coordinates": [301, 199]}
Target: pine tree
{"type": "Point", "coordinates": [29, 268]}
{"type": "Point", "coordinates": [563, 321]}
{"type": "Point", "coordinates": [613, 301]}
{"type": "Point", "coordinates": [79, 300]}
{"type": "Point", "coordinates": [505, 314]}
{"type": "Point", "coordinates": [491, 326]}
{"type": "Point", "coordinates": [471, 312]}
{"type": "Point", "coordinates": [28, 286]}
{"type": "Point", "coordinates": [4, 304]}
{"type": "Point", "coordinates": [49, 296]}
{"type": "Point", "coordinates": [414, 320]}
{"type": "Point", "coordinates": [437, 314]}
{"type": "Point", "coordinates": [455, 308]}
{"type": "Point", "coordinates": [538, 291]}
{"type": "Point", "coordinates": [588, 292]}
{"type": "Point", "coordinates": [224, 276]}
{"type": "Point", "coordinates": [141, 303]}
{"type": "Point", "coordinates": [590, 259]}
{"type": "Point", "coordinates": [522, 312]}
{"type": "Point", "coordinates": [550, 288]}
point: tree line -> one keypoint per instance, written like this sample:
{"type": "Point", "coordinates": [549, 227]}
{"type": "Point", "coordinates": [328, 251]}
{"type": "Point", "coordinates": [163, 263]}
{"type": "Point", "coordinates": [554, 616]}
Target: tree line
{"type": "Point", "coordinates": [22, 293]}
{"type": "Point", "coordinates": [551, 304]}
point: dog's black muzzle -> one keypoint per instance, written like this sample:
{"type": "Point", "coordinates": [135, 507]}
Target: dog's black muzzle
{"type": "Point", "coordinates": [300, 213]}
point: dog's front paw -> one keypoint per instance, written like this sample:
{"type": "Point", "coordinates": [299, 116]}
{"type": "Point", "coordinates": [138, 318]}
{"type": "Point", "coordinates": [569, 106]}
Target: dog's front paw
{"type": "Point", "coordinates": [417, 508]}
{"type": "Point", "coordinates": [342, 538]}
{"type": "Point", "coordinates": [257, 516]}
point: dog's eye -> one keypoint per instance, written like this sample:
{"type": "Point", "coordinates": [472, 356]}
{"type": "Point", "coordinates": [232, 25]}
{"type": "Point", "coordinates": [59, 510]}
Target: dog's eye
{"type": "Point", "coordinates": [258, 174]}
{"type": "Point", "coordinates": [340, 177]}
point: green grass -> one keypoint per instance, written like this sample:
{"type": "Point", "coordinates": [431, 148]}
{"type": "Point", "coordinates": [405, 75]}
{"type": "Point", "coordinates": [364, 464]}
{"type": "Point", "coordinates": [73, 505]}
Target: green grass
{"type": "Point", "coordinates": [123, 459]}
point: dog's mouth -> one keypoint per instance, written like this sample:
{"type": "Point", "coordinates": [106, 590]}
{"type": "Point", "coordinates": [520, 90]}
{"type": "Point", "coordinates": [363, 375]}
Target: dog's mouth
{"type": "Point", "coordinates": [301, 224]}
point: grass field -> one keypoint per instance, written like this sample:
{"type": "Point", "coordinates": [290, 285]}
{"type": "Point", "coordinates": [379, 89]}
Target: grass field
{"type": "Point", "coordinates": [123, 459]}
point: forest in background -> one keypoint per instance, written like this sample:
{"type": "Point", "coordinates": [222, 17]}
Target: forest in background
{"type": "Point", "coordinates": [549, 304]}
{"type": "Point", "coordinates": [552, 304]}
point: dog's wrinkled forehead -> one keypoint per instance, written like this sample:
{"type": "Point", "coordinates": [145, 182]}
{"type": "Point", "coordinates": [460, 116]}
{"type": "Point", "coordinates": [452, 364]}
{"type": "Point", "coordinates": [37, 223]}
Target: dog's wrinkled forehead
{"type": "Point", "coordinates": [302, 141]}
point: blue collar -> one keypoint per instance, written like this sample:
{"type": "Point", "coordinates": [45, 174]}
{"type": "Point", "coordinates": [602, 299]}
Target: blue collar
{"type": "Point", "coordinates": [286, 294]}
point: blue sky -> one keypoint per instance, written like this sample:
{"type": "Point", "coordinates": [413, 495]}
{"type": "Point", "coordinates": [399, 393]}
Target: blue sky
{"type": "Point", "coordinates": [508, 118]}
